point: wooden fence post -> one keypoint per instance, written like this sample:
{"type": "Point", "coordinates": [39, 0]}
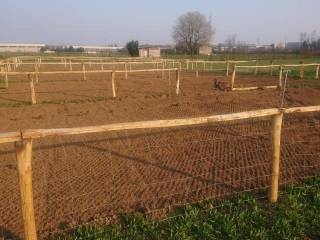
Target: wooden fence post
{"type": "Point", "coordinates": [280, 76]}
{"type": "Point", "coordinates": [33, 94]}
{"type": "Point", "coordinates": [178, 82]}
{"type": "Point", "coordinates": [271, 68]}
{"type": "Point", "coordinates": [317, 72]}
{"type": "Point", "coordinates": [233, 77]}
{"type": "Point", "coordinates": [162, 70]}
{"type": "Point", "coordinates": [70, 64]}
{"type": "Point", "coordinates": [36, 70]}
{"type": "Point", "coordinates": [101, 65]}
{"type": "Point", "coordinates": [302, 71]}
{"type": "Point", "coordinates": [227, 71]}
{"type": "Point", "coordinates": [126, 71]}
{"type": "Point", "coordinates": [6, 77]}
{"type": "Point", "coordinates": [113, 76]}
{"type": "Point", "coordinates": [276, 147]}
{"type": "Point", "coordinates": [84, 72]}
{"type": "Point", "coordinates": [256, 69]}
{"type": "Point", "coordinates": [24, 161]}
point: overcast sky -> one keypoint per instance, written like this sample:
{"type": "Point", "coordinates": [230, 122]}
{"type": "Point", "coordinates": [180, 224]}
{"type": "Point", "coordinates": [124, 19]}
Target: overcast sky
{"type": "Point", "coordinates": [150, 21]}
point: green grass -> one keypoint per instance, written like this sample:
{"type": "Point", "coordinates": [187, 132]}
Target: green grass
{"type": "Point", "coordinates": [243, 216]}
{"type": "Point", "coordinates": [278, 58]}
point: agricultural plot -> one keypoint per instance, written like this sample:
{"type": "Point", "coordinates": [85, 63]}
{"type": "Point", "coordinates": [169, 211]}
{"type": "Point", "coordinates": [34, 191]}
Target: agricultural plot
{"type": "Point", "coordinates": [92, 178]}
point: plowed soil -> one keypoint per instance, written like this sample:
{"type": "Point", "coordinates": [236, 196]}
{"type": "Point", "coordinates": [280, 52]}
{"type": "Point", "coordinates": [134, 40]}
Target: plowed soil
{"type": "Point", "coordinates": [94, 177]}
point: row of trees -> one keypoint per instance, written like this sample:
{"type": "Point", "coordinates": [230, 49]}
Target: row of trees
{"type": "Point", "coordinates": [310, 42]}
{"type": "Point", "coordinates": [68, 49]}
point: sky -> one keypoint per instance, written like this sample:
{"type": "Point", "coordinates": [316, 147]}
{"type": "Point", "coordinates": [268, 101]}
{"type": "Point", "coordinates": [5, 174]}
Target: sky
{"type": "Point", "coordinates": [100, 22]}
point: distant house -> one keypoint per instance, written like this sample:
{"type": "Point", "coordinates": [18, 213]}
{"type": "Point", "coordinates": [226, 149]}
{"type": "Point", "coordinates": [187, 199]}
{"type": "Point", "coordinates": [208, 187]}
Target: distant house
{"type": "Point", "coordinates": [145, 51]}
{"type": "Point", "coordinates": [17, 47]}
{"type": "Point", "coordinates": [205, 50]}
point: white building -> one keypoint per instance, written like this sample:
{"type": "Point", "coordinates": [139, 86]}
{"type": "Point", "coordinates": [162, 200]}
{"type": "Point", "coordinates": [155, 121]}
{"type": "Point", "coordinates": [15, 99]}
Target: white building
{"type": "Point", "coordinates": [146, 51]}
{"type": "Point", "coordinates": [97, 49]}
{"type": "Point", "coordinates": [18, 47]}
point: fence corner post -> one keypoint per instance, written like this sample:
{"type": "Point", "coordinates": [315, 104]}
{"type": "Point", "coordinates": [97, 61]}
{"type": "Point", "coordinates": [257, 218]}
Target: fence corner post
{"type": "Point", "coordinates": [276, 151]}
{"type": "Point", "coordinates": [24, 161]}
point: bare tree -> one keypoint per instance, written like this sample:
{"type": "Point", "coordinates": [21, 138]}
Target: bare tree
{"type": "Point", "coordinates": [231, 42]}
{"type": "Point", "coordinates": [191, 31]}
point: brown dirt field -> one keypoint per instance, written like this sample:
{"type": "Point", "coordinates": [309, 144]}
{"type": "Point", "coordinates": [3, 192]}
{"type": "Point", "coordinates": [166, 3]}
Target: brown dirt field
{"type": "Point", "coordinates": [91, 177]}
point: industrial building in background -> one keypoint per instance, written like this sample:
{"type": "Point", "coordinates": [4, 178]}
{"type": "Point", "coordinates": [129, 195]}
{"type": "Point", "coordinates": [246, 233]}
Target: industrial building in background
{"type": "Point", "coordinates": [20, 47]}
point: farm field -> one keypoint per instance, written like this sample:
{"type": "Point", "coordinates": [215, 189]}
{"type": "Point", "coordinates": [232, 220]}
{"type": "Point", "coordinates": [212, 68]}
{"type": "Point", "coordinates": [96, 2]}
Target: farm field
{"type": "Point", "coordinates": [95, 177]}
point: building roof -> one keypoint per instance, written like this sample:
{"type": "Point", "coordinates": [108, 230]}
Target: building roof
{"type": "Point", "coordinates": [98, 47]}
{"type": "Point", "coordinates": [21, 45]}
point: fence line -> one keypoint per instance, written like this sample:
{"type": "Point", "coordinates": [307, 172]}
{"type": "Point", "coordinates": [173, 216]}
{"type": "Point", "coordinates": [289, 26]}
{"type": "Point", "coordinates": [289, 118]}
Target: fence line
{"type": "Point", "coordinates": [34, 76]}
{"type": "Point", "coordinates": [23, 145]}
{"type": "Point", "coordinates": [281, 69]}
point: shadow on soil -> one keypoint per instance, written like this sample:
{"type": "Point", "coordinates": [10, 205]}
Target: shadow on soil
{"type": "Point", "coordinates": [6, 234]}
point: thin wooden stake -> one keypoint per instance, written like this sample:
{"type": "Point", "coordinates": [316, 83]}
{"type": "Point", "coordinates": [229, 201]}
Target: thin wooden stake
{"type": "Point", "coordinates": [317, 72]}
{"type": "Point", "coordinates": [197, 73]}
{"type": "Point", "coordinates": [276, 147]}
{"type": "Point", "coordinates": [70, 64]}
{"type": "Point", "coordinates": [113, 78]}
{"type": "Point", "coordinates": [233, 77]}
{"type": "Point", "coordinates": [33, 94]}
{"type": "Point", "coordinates": [178, 82]}
{"type": "Point", "coordinates": [24, 162]}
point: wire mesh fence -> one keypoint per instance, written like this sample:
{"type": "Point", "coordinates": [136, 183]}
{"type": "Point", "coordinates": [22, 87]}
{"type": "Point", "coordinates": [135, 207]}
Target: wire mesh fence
{"type": "Point", "coordinates": [95, 177]}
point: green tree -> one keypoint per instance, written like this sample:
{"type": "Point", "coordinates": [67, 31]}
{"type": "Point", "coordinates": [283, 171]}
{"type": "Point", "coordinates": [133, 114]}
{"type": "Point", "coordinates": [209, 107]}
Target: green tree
{"type": "Point", "coordinates": [133, 48]}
